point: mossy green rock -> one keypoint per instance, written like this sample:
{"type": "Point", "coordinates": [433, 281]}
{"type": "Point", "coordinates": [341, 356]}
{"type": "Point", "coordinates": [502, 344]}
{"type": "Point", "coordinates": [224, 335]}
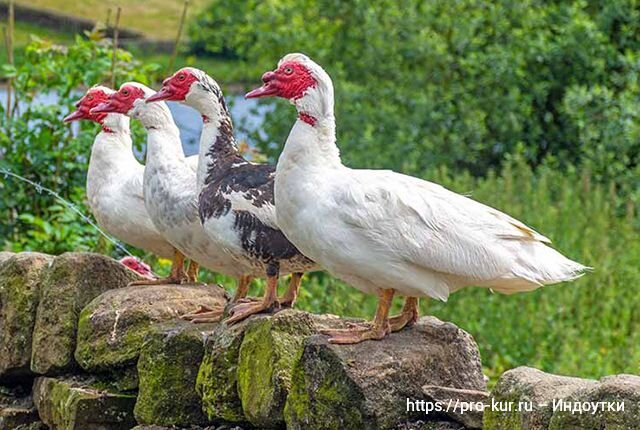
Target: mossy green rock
{"type": "Point", "coordinates": [73, 404]}
{"type": "Point", "coordinates": [72, 281]}
{"type": "Point", "coordinates": [167, 369]}
{"type": "Point", "coordinates": [20, 283]}
{"type": "Point", "coordinates": [270, 348]}
{"type": "Point", "coordinates": [112, 327]}
{"type": "Point", "coordinates": [533, 387]}
{"type": "Point", "coordinates": [217, 381]}
{"type": "Point", "coordinates": [366, 385]}
{"type": "Point", "coordinates": [612, 390]}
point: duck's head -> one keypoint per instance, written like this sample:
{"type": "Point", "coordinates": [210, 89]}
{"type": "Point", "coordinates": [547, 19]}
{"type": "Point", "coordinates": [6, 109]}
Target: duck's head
{"type": "Point", "coordinates": [128, 100]}
{"type": "Point", "coordinates": [194, 88]}
{"type": "Point", "coordinates": [93, 97]}
{"type": "Point", "coordinates": [301, 81]}
{"type": "Point", "coordinates": [138, 266]}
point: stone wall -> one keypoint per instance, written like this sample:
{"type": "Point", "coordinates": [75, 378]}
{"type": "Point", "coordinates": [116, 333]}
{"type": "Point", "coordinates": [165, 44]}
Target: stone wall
{"type": "Point", "coordinates": [79, 349]}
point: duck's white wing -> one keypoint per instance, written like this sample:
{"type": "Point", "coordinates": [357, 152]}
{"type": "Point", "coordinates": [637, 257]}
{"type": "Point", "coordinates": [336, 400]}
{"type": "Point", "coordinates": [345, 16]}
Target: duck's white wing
{"type": "Point", "coordinates": [424, 224]}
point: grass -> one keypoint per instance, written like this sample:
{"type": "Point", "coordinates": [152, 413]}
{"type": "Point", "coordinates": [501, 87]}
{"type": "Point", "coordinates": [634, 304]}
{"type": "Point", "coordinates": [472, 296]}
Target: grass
{"type": "Point", "coordinates": [157, 19]}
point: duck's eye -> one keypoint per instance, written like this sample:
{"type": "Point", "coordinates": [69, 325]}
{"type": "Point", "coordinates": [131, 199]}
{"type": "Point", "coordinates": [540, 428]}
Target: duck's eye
{"type": "Point", "coordinates": [90, 97]}
{"type": "Point", "coordinates": [288, 70]}
{"type": "Point", "coordinates": [125, 93]}
{"type": "Point", "coordinates": [182, 77]}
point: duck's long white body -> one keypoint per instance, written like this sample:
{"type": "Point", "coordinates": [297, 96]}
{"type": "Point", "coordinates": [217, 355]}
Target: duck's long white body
{"type": "Point", "coordinates": [379, 229]}
{"type": "Point", "coordinates": [170, 191]}
{"type": "Point", "coordinates": [114, 189]}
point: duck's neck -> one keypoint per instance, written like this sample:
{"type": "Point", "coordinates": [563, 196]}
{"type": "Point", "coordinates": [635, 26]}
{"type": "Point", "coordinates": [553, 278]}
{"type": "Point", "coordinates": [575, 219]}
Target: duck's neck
{"type": "Point", "coordinates": [112, 149]}
{"type": "Point", "coordinates": [218, 150]}
{"type": "Point", "coordinates": [163, 136]}
{"type": "Point", "coordinates": [312, 140]}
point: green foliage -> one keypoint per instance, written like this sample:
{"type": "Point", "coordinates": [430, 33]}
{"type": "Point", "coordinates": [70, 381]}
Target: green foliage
{"type": "Point", "coordinates": [459, 84]}
{"type": "Point", "coordinates": [36, 144]}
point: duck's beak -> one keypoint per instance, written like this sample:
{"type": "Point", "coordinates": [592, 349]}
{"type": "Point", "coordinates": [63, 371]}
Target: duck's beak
{"type": "Point", "coordinates": [75, 115]}
{"type": "Point", "coordinates": [165, 93]}
{"type": "Point", "coordinates": [269, 88]}
{"type": "Point", "coordinates": [104, 107]}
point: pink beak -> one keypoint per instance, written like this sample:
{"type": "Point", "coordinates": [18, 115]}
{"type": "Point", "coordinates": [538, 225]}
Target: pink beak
{"type": "Point", "coordinates": [165, 93]}
{"type": "Point", "coordinates": [269, 87]}
{"type": "Point", "coordinates": [74, 116]}
{"type": "Point", "coordinates": [104, 107]}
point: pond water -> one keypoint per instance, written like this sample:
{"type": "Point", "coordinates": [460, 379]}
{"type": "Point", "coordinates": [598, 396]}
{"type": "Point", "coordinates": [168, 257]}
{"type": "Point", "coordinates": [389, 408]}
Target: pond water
{"type": "Point", "coordinates": [243, 112]}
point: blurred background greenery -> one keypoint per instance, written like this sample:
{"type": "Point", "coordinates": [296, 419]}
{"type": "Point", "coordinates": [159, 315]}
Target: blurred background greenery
{"type": "Point", "coordinates": [531, 107]}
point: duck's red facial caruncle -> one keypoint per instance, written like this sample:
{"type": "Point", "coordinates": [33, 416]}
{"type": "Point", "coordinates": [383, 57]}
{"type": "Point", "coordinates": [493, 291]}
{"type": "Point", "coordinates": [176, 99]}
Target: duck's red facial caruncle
{"type": "Point", "coordinates": [91, 99]}
{"type": "Point", "coordinates": [121, 101]}
{"type": "Point", "coordinates": [290, 80]}
{"type": "Point", "coordinates": [138, 266]}
{"type": "Point", "coordinates": [175, 87]}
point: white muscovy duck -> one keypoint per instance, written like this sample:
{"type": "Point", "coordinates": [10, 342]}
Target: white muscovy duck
{"type": "Point", "coordinates": [170, 189]}
{"type": "Point", "coordinates": [385, 232]}
{"type": "Point", "coordinates": [236, 196]}
{"type": "Point", "coordinates": [114, 183]}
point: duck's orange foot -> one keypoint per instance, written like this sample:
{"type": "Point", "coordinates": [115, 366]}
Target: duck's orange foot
{"type": "Point", "coordinates": [246, 309]}
{"type": "Point", "coordinates": [355, 334]}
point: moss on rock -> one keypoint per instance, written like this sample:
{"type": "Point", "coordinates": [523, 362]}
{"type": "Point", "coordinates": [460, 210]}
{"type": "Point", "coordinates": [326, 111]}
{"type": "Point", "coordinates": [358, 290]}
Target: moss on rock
{"type": "Point", "coordinates": [112, 328]}
{"type": "Point", "coordinates": [335, 403]}
{"type": "Point", "coordinates": [269, 350]}
{"type": "Point", "coordinates": [20, 283]}
{"type": "Point", "coordinates": [72, 281]}
{"type": "Point", "coordinates": [217, 381]}
{"type": "Point", "coordinates": [73, 404]}
{"type": "Point", "coordinates": [167, 370]}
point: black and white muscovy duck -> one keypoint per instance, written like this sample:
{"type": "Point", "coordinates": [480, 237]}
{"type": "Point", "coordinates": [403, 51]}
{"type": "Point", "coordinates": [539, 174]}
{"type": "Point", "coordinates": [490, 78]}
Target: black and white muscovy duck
{"type": "Point", "coordinates": [236, 203]}
{"type": "Point", "coordinates": [384, 232]}
{"type": "Point", "coordinates": [114, 181]}
{"type": "Point", "coordinates": [170, 190]}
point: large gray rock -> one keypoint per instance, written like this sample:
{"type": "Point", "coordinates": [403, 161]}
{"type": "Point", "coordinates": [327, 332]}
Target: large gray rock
{"type": "Point", "coordinates": [612, 403]}
{"type": "Point", "coordinates": [367, 385]}
{"type": "Point", "coordinates": [112, 327]}
{"type": "Point", "coordinates": [74, 404]}
{"type": "Point", "coordinates": [167, 368]}
{"type": "Point", "coordinates": [525, 385]}
{"type": "Point", "coordinates": [72, 281]}
{"type": "Point", "coordinates": [20, 283]}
